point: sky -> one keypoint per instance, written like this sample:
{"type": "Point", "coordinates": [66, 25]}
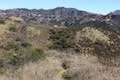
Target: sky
{"type": "Point", "coordinates": [95, 6]}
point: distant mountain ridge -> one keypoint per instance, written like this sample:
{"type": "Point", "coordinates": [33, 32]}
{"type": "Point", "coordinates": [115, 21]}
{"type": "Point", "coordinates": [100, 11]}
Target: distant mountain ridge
{"type": "Point", "coordinates": [56, 13]}
{"type": "Point", "coordinates": [60, 15]}
{"type": "Point", "coordinates": [117, 12]}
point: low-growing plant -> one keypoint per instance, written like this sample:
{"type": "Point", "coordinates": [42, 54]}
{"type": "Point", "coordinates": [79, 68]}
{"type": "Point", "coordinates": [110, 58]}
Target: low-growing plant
{"type": "Point", "coordinates": [20, 57]}
{"type": "Point", "coordinates": [2, 21]}
{"type": "Point", "coordinates": [25, 44]}
{"type": "Point", "coordinates": [34, 54]}
{"type": "Point", "coordinates": [13, 29]}
{"type": "Point", "coordinates": [106, 53]}
{"type": "Point", "coordinates": [68, 75]}
{"type": "Point", "coordinates": [61, 39]}
{"type": "Point", "coordinates": [26, 55]}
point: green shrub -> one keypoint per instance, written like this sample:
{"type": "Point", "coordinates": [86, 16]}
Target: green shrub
{"type": "Point", "coordinates": [107, 53]}
{"type": "Point", "coordinates": [22, 56]}
{"type": "Point", "coordinates": [11, 46]}
{"type": "Point", "coordinates": [2, 21]}
{"type": "Point", "coordinates": [12, 29]}
{"type": "Point", "coordinates": [69, 75]}
{"type": "Point", "coordinates": [61, 39]}
{"type": "Point", "coordinates": [35, 54]}
{"type": "Point", "coordinates": [25, 44]}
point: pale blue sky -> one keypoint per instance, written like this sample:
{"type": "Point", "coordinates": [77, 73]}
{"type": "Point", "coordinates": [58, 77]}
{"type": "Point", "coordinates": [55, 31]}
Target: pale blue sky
{"type": "Point", "coordinates": [95, 6]}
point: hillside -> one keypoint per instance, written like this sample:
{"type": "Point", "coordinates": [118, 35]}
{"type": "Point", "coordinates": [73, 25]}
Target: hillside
{"type": "Point", "coordinates": [59, 44]}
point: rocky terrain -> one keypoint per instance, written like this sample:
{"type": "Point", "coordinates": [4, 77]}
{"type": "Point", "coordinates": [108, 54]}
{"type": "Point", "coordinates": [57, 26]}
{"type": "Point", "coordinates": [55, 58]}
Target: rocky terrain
{"type": "Point", "coordinates": [59, 15]}
{"type": "Point", "coordinates": [59, 44]}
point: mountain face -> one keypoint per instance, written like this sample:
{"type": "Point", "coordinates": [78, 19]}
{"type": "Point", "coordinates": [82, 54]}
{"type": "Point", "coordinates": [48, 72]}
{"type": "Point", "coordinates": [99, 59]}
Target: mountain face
{"type": "Point", "coordinates": [59, 14]}
{"type": "Point", "coordinates": [117, 12]}
{"type": "Point", "coordinates": [66, 17]}
{"type": "Point", "coordinates": [115, 17]}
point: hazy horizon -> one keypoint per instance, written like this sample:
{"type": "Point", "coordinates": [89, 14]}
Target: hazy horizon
{"type": "Point", "coordinates": [94, 6]}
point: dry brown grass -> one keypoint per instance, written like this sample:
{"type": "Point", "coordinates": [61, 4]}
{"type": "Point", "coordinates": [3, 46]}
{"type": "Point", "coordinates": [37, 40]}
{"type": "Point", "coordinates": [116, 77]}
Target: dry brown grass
{"type": "Point", "coordinates": [81, 67]}
{"type": "Point", "coordinates": [38, 36]}
{"type": "Point", "coordinates": [13, 18]}
{"type": "Point", "coordinates": [93, 34]}
{"type": "Point", "coordinates": [57, 65]}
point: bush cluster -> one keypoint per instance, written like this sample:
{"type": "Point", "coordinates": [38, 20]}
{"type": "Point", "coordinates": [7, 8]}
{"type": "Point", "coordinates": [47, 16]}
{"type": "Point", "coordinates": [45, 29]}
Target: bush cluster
{"type": "Point", "coordinates": [61, 39]}
{"type": "Point", "coordinates": [2, 21]}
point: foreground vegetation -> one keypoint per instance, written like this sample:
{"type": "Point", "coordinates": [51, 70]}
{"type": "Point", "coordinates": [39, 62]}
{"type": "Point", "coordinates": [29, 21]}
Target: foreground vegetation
{"type": "Point", "coordinates": [31, 51]}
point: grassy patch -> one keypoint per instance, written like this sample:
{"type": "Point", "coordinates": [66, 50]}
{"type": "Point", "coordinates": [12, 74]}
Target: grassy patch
{"type": "Point", "coordinates": [26, 55]}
